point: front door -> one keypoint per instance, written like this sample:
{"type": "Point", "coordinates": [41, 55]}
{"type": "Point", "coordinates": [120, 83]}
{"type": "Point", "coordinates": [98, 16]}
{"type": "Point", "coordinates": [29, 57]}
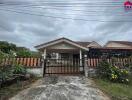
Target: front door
{"type": "Point", "coordinates": [76, 56]}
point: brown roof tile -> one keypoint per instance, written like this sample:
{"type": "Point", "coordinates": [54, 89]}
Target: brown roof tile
{"type": "Point", "coordinates": [85, 44]}
{"type": "Point", "coordinates": [129, 43]}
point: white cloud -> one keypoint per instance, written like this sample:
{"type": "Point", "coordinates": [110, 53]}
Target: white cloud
{"type": "Point", "coordinates": [29, 30]}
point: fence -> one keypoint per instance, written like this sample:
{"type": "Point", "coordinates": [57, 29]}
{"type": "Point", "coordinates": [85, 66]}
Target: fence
{"type": "Point", "coordinates": [28, 62]}
{"type": "Point", "coordinates": [120, 62]}
{"type": "Point", "coordinates": [36, 62]}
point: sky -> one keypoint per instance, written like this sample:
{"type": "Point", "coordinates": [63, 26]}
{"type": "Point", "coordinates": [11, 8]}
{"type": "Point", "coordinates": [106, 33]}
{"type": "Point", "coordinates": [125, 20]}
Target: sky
{"type": "Point", "coordinates": [32, 22]}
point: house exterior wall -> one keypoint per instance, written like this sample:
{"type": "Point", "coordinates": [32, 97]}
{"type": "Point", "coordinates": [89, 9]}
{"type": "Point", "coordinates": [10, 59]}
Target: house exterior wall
{"type": "Point", "coordinates": [117, 45]}
{"type": "Point", "coordinates": [62, 46]}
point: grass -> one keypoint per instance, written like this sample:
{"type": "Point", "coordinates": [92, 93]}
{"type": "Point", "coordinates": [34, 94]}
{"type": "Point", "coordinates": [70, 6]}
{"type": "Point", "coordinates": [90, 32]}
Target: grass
{"type": "Point", "coordinates": [9, 91]}
{"type": "Point", "coordinates": [116, 91]}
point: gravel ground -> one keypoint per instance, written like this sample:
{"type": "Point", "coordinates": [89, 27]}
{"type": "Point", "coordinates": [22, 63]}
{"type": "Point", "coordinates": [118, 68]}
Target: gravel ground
{"type": "Point", "coordinates": [62, 88]}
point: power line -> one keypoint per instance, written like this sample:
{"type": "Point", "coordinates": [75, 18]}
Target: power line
{"type": "Point", "coordinates": [68, 18]}
{"type": "Point", "coordinates": [91, 13]}
{"type": "Point", "coordinates": [66, 4]}
{"type": "Point", "coordinates": [69, 5]}
{"type": "Point", "coordinates": [64, 9]}
{"type": "Point", "coordinates": [56, 8]}
{"type": "Point", "coordinates": [82, 1]}
{"type": "Point", "coordinates": [78, 10]}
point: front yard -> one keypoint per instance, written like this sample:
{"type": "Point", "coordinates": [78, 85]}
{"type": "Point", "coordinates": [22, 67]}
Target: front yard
{"type": "Point", "coordinates": [117, 91]}
{"type": "Point", "coordinates": [9, 91]}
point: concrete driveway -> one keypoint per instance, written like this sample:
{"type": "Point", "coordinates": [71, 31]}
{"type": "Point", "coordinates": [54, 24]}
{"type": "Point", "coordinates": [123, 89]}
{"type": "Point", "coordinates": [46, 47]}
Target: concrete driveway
{"type": "Point", "coordinates": [62, 88]}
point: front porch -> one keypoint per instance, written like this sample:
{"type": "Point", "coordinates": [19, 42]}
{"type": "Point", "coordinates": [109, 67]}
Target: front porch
{"type": "Point", "coordinates": [63, 56]}
{"type": "Point", "coordinates": [63, 61]}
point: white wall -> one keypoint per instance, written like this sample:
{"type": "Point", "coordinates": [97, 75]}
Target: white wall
{"type": "Point", "coordinates": [35, 71]}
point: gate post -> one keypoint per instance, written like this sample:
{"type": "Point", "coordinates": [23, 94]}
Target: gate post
{"type": "Point", "coordinates": [44, 67]}
{"type": "Point", "coordinates": [85, 66]}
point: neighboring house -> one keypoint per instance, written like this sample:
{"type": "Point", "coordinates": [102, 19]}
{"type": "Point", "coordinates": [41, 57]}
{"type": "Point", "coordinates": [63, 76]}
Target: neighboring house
{"type": "Point", "coordinates": [119, 44]}
{"type": "Point", "coordinates": [64, 48]}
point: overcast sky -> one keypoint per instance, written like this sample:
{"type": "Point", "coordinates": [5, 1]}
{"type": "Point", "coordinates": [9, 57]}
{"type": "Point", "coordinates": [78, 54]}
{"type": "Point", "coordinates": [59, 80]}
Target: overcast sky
{"type": "Point", "coordinates": [31, 22]}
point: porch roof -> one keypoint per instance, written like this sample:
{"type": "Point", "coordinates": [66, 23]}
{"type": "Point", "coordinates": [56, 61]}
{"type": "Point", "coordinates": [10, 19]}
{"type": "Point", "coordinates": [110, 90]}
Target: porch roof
{"type": "Point", "coordinates": [61, 40]}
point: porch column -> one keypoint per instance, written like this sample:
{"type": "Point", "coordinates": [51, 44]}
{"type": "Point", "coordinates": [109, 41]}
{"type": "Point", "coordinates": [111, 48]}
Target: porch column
{"type": "Point", "coordinates": [44, 54]}
{"type": "Point", "coordinates": [80, 57]}
{"type": "Point", "coordinates": [57, 55]}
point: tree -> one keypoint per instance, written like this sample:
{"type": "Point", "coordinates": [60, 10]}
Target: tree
{"type": "Point", "coordinates": [9, 49]}
{"type": "Point", "coordinates": [23, 53]}
{"type": "Point", "coordinates": [6, 47]}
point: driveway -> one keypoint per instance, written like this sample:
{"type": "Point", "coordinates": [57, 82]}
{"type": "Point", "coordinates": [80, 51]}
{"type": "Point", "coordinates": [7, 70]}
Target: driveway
{"type": "Point", "coordinates": [62, 88]}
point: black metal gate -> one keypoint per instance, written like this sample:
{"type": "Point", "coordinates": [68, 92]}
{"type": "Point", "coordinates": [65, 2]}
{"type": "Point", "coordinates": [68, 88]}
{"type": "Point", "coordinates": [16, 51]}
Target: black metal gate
{"type": "Point", "coordinates": [63, 66]}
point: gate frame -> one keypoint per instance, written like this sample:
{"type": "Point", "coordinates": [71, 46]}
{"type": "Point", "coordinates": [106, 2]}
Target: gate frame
{"type": "Point", "coordinates": [80, 72]}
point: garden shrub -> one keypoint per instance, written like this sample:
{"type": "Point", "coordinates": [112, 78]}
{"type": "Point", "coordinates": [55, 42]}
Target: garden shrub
{"type": "Point", "coordinates": [11, 73]}
{"type": "Point", "coordinates": [19, 69]}
{"type": "Point", "coordinates": [112, 73]}
{"type": "Point", "coordinates": [5, 73]}
{"type": "Point", "coordinates": [104, 69]}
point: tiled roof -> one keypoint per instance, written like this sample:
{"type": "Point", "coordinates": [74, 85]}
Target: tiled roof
{"type": "Point", "coordinates": [81, 43]}
{"type": "Point", "coordinates": [85, 44]}
{"type": "Point", "coordinates": [128, 43]}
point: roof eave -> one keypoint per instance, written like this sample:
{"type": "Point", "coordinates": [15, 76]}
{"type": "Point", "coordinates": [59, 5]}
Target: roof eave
{"type": "Point", "coordinates": [61, 40]}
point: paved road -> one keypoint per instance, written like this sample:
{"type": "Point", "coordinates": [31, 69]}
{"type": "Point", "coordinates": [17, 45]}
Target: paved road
{"type": "Point", "coordinates": [62, 88]}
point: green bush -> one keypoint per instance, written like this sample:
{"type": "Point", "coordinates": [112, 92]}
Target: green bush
{"type": "Point", "coordinates": [9, 73]}
{"type": "Point", "coordinates": [19, 69]}
{"type": "Point", "coordinates": [112, 73]}
{"type": "Point", "coordinates": [6, 72]}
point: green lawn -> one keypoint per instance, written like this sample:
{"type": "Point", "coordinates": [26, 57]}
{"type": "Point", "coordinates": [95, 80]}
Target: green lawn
{"type": "Point", "coordinates": [116, 91]}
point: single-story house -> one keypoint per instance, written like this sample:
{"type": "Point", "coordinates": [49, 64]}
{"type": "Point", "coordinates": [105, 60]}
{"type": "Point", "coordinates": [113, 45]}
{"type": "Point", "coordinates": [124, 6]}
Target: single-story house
{"type": "Point", "coordinates": [64, 48]}
{"type": "Point", "coordinates": [112, 49]}
{"type": "Point", "coordinates": [66, 56]}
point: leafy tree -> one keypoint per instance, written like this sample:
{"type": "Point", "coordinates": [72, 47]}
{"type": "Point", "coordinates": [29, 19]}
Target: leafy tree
{"type": "Point", "coordinates": [3, 55]}
{"type": "Point", "coordinates": [11, 50]}
{"type": "Point", "coordinates": [6, 47]}
{"type": "Point", "coordinates": [35, 54]}
{"type": "Point", "coordinates": [23, 53]}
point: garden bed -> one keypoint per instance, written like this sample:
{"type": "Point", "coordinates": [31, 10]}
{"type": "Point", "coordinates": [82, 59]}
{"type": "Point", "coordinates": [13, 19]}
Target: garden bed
{"type": "Point", "coordinates": [11, 90]}
{"type": "Point", "coordinates": [117, 91]}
